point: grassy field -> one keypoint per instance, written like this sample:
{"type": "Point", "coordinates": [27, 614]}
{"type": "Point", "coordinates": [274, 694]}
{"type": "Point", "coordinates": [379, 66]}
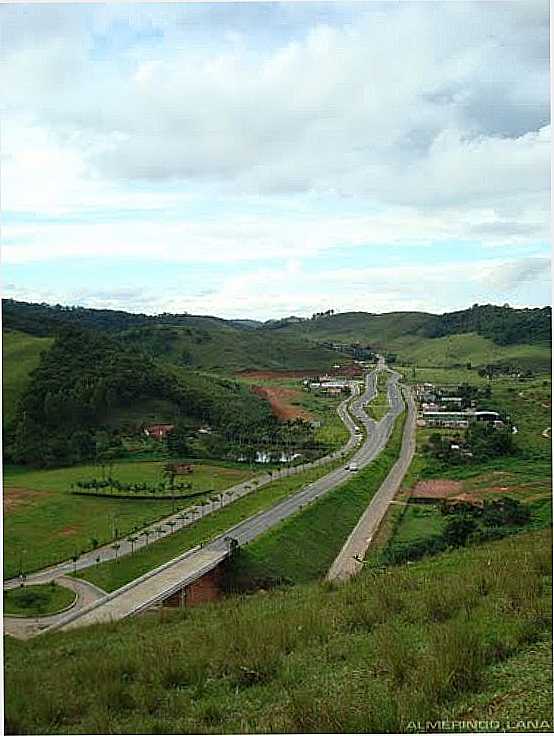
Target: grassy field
{"type": "Point", "coordinates": [219, 346]}
{"type": "Point", "coordinates": [20, 356]}
{"type": "Point", "coordinates": [44, 523]}
{"type": "Point", "coordinates": [112, 575]}
{"type": "Point", "coordinates": [465, 633]}
{"type": "Point", "coordinates": [37, 600]}
{"type": "Point", "coordinates": [303, 547]}
{"type": "Point", "coordinates": [473, 348]}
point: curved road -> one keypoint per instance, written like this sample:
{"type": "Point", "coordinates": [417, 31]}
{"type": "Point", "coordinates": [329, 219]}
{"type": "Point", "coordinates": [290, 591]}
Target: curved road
{"type": "Point", "coordinates": [349, 561]}
{"type": "Point", "coordinates": [178, 520]}
{"type": "Point", "coordinates": [158, 584]}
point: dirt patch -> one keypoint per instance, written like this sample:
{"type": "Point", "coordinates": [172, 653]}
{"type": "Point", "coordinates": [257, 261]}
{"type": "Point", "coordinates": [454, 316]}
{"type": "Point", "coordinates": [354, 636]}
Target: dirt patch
{"type": "Point", "coordinates": [280, 400]}
{"type": "Point", "coordinates": [15, 498]}
{"type": "Point", "coordinates": [437, 488]}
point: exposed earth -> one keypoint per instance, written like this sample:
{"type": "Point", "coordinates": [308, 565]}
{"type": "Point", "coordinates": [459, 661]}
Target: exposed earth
{"type": "Point", "coordinates": [281, 400]}
{"type": "Point", "coordinates": [13, 498]}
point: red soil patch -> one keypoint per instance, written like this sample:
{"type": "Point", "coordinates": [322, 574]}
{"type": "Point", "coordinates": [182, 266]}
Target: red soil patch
{"type": "Point", "coordinates": [13, 498]}
{"type": "Point", "coordinates": [279, 399]}
{"type": "Point", "coordinates": [437, 488]}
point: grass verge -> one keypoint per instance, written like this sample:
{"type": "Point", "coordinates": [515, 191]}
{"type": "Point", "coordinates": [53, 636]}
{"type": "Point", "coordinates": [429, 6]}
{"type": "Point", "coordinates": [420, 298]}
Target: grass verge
{"type": "Point", "coordinates": [303, 547]}
{"type": "Point", "coordinates": [116, 573]}
{"type": "Point", "coordinates": [454, 634]}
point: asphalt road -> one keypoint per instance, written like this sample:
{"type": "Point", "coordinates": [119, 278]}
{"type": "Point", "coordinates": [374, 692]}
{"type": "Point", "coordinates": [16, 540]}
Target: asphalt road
{"type": "Point", "coordinates": [350, 559]}
{"type": "Point", "coordinates": [180, 519]}
{"type": "Point", "coordinates": [164, 581]}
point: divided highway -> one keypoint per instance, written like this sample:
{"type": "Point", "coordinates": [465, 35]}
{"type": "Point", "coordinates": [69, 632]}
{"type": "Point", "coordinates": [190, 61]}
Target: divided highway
{"type": "Point", "coordinates": [171, 577]}
{"type": "Point", "coordinates": [160, 583]}
{"type": "Point", "coordinates": [179, 520]}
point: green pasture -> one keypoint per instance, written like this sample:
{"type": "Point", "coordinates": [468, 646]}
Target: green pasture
{"type": "Point", "coordinates": [46, 523]}
{"type": "Point", "coordinates": [463, 635]}
{"type": "Point", "coordinates": [113, 574]}
{"type": "Point", "coordinates": [20, 356]}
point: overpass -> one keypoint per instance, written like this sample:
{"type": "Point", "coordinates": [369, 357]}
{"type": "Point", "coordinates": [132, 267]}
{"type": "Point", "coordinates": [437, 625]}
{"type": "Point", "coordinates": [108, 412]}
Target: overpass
{"type": "Point", "coordinates": [177, 578]}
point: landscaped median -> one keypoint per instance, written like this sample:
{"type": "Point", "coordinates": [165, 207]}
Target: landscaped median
{"type": "Point", "coordinates": [38, 600]}
{"type": "Point", "coordinates": [114, 574]}
{"type": "Point", "coordinates": [303, 547]}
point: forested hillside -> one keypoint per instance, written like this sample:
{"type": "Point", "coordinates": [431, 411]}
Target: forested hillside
{"type": "Point", "coordinates": [85, 376]}
{"type": "Point", "coordinates": [502, 325]}
{"type": "Point", "coordinates": [188, 340]}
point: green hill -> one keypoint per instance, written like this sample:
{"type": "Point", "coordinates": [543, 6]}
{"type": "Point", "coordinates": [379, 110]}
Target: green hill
{"type": "Point", "coordinates": [223, 347]}
{"type": "Point", "coordinates": [20, 356]}
{"type": "Point", "coordinates": [87, 382]}
{"type": "Point", "coordinates": [480, 335]}
{"type": "Point", "coordinates": [458, 636]}
{"type": "Point", "coordinates": [188, 340]}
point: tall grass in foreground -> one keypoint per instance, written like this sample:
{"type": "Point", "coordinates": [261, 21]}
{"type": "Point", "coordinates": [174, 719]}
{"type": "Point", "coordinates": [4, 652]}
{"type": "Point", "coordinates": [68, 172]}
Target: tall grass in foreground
{"type": "Point", "coordinates": [384, 649]}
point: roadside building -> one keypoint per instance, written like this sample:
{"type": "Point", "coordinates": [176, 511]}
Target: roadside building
{"type": "Point", "coordinates": [158, 431]}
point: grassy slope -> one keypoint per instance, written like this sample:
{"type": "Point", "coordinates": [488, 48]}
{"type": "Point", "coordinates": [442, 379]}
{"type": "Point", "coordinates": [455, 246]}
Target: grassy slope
{"type": "Point", "coordinates": [457, 635]}
{"type": "Point", "coordinates": [219, 346]}
{"type": "Point", "coordinates": [20, 356]}
{"type": "Point", "coordinates": [397, 333]}
{"type": "Point", "coordinates": [48, 511]}
{"type": "Point", "coordinates": [303, 547]}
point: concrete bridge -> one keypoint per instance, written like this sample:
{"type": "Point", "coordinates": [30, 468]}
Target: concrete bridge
{"type": "Point", "coordinates": [195, 576]}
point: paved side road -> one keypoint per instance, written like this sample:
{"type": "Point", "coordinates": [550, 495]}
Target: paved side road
{"type": "Point", "coordinates": [158, 584]}
{"type": "Point", "coordinates": [350, 559]}
{"type": "Point", "coordinates": [177, 521]}
{"type": "Point", "coordinates": [87, 595]}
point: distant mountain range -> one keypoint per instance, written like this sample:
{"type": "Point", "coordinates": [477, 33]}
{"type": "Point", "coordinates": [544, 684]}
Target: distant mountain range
{"type": "Point", "coordinates": [70, 370]}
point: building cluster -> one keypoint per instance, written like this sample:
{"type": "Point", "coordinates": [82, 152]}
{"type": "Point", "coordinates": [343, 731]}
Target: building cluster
{"type": "Point", "coordinates": [328, 385]}
{"type": "Point", "coordinates": [439, 407]}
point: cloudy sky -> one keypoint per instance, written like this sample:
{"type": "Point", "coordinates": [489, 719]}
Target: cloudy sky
{"type": "Point", "coordinates": [266, 159]}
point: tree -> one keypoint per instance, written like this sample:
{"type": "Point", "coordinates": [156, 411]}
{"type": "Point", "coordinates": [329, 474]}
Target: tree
{"type": "Point", "coordinates": [74, 558]}
{"type": "Point", "coordinates": [458, 529]}
{"type": "Point", "coordinates": [132, 541]}
{"type": "Point", "coordinates": [116, 547]}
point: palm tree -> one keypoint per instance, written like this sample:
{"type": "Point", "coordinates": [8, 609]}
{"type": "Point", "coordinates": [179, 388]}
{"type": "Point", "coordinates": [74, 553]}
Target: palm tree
{"type": "Point", "coordinates": [132, 541]}
{"type": "Point", "coordinates": [75, 558]}
{"type": "Point", "coordinates": [146, 533]}
{"type": "Point", "coordinates": [116, 547]}
{"type": "Point", "coordinates": [159, 531]}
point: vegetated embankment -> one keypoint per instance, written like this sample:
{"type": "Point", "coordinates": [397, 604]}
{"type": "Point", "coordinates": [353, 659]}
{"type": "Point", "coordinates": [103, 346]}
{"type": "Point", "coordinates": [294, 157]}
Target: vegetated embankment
{"type": "Point", "coordinates": [462, 636]}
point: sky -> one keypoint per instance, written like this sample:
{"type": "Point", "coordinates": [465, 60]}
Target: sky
{"type": "Point", "coordinates": [259, 160]}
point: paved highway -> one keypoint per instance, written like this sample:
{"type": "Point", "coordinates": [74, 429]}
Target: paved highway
{"type": "Point", "coordinates": [159, 584]}
{"type": "Point", "coordinates": [177, 521]}
{"type": "Point", "coordinates": [350, 559]}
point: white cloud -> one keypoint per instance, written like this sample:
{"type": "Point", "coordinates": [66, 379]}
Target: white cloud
{"type": "Point", "coordinates": [428, 121]}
